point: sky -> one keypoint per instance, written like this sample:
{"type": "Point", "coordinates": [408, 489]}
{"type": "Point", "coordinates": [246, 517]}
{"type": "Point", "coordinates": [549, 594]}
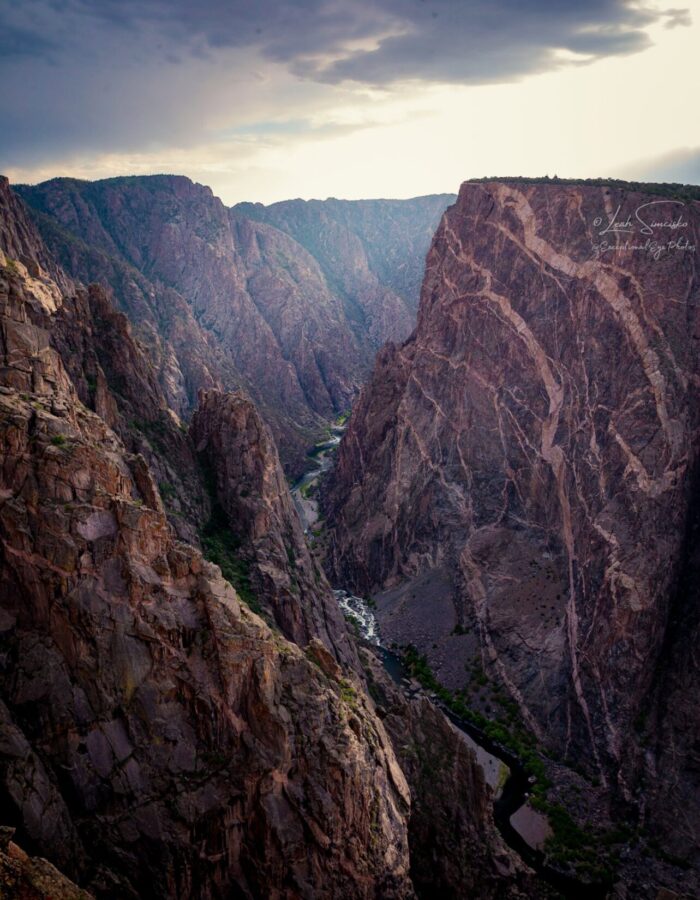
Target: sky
{"type": "Point", "coordinates": [266, 101]}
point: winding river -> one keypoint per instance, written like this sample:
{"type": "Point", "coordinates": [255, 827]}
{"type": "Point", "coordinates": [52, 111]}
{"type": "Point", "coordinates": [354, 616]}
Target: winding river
{"type": "Point", "coordinates": [522, 827]}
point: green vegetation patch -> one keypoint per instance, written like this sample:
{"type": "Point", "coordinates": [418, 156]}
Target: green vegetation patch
{"type": "Point", "coordinates": [592, 853]}
{"type": "Point", "coordinates": [167, 491]}
{"type": "Point", "coordinates": [221, 546]}
{"type": "Point", "coordinates": [507, 732]}
{"type": "Point", "coordinates": [308, 490]}
{"type": "Point", "coordinates": [348, 693]}
{"type": "Point", "coordinates": [156, 431]}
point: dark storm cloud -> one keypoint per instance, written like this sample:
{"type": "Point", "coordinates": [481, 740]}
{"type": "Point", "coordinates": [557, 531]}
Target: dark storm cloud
{"type": "Point", "coordinates": [17, 42]}
{"type": "Point", "coordinates": [486, 42]}
{"type": "Point", "coordinates": [134, 74]}
{"type": "Point", "coordinates": [423, 39]}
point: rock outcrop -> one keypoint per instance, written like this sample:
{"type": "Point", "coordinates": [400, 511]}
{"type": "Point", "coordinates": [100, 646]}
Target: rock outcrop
{"type": "Point", "coordinates": [519, 476]}
{"type": "Point", "coordinates": [113, 375]}
{"type": "Point", "coordinates": [29, 878]}
{"type": "Point", "coordinates": [158, 738]}
{"type": "Point", "coordinates": [226, 300]}
{"type": "Point", "coordinates": [250, 489]}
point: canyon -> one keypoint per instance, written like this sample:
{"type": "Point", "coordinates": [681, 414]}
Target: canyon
{"type": "Point", "coordinates": [288, 302]}
{"type": "Point", "coordinates": [185, 712]}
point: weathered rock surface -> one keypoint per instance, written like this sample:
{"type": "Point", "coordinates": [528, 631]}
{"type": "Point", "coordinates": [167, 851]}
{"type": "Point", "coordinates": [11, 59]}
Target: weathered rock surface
{"type": "Point", "coordinates": [525, 465]}
{"type": "Point", "coordinates": [29, 878]}
{"type": "Point", "coordinates": [371, 251]}
{"type": "Point", "coordinates": [249, 484]}
{"type": "Point", "coordinates": [225, 300]}
{"type": "Point", "coordinates": [24, 250]}
{"type": "Point", "coordinates": [114, 376]}
{"type": "Point", "coordinates": [158, 738]}
{"type": "Point", "coordinates": [456, 851]}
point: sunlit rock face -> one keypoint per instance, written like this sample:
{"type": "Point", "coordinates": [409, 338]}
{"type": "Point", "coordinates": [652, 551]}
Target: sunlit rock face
{"type": "Point", "coordinates": [524, 467]}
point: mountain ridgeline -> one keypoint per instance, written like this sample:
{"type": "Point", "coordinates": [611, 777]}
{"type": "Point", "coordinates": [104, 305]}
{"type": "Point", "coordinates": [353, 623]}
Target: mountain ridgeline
{"type": "Point", "coordinates": [288, 302]}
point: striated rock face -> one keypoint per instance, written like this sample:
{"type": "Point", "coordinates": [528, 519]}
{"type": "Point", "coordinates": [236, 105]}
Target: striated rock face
{"type": "Point", "coordinates": [249, 485]}
{"type": "Point", "coordinates": [224, 300]}
{"type": "Point", "coordinates": [158, 738]}
{"type": "Point", "coordinates": [523, 466]}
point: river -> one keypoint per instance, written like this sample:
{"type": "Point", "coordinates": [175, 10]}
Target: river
{"type": "Point", "coordinates": [307, 506]}
{"type": "Point", "coordinates": [522, 827]}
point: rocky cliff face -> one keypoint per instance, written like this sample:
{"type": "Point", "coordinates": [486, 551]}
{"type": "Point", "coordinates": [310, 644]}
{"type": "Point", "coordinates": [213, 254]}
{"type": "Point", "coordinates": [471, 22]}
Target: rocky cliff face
{"type": "Point", "coordinates": [158, 738]}
{"type": "Point", "coordinates": [114, 376]}
{"type": "Point", "coordinates": [227, 300]}
{"type": "Point", "coordinates": [185, 357]}
{"type": "Point", "coordinates": [518, 476]}
{"type": "Point", "coordinates": [251, 491]}
{"type": "Point", "coordinates": [455, 849]}
{"type": "Point", "coordinates": [29, 878]}
{"type": "Point", "coordinates": [371, 251]}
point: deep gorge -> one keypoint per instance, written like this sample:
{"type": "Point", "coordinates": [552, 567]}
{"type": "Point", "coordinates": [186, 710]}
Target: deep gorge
{"type": "Point", "coordinates": [213, 419]}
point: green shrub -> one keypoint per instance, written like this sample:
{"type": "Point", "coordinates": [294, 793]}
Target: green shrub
{"type": "Point", "coordinates": [671, 189]}
{"type": "Point", "coordinates": [167, 491]}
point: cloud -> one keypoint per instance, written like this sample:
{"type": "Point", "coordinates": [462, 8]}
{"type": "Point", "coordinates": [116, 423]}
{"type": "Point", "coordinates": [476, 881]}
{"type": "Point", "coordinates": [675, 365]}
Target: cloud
{"type": "Point", "coordinates": [473, 42]}
{"type": "Point", "coordinates": [95, 76]}
{"type": "Point", "coordinates": [676, 17]}
{"type": "Point", "coordinates": [17, 42]}
{"type": "Point", "coordinates": [376, 42]}
{"type": "Point", "coordinates": [680, 166]}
